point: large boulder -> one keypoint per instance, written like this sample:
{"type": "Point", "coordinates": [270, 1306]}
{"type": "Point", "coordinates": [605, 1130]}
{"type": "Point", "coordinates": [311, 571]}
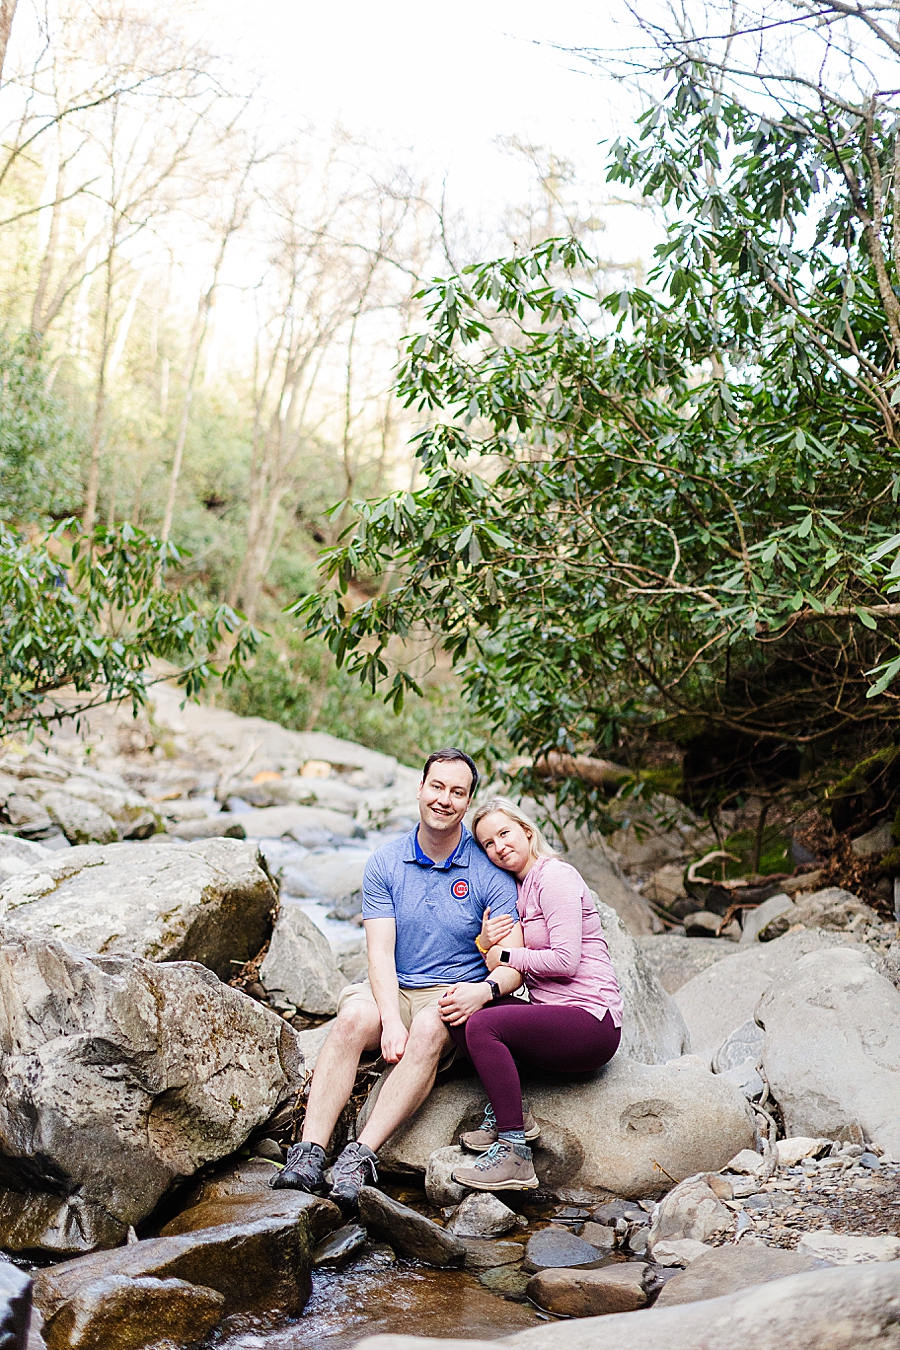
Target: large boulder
{"type": "Point", "coordinates": [636, 1125]}
{"type": "Point", "coordinates": [843, 1309]}
{"type": "Point", "coordinates": [589, 856]}
{"type": "Point", "coordinates": [122, 1313]}
{"type": "Point", "coordinates": [653, 1029]}
{"type": "Point", "coordinates": [674, 960]}
{"type": "Point", "coordinates": [720, 999]}
{"type": "Point", "coordinates": [120, 1078]}
{"type": "Point", "coordinates": [300, 966]}
{"type": "Point", "coordinates": [725, 1270]}
{"type": "Point", "coordinates": [210, 902]}
{"type": "Point", "coordinates": [832, 1047]}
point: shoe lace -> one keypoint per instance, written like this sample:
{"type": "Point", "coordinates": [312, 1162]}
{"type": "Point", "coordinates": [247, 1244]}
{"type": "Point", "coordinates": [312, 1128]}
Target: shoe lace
{"type": "Point", "coordinates": [490, 1120]}
{"type": "Point", "coordinates": [493, 1155]}
{"type": "Point", "coordinates": [353, 1168]}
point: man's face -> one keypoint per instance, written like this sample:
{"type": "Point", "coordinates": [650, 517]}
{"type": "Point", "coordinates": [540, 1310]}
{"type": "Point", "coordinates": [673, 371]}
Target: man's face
{"type": "Point", "coordinates": [444, 794]}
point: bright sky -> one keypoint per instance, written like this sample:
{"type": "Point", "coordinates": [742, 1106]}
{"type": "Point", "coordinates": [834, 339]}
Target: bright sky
{"type": "Point", "coordinates": [446, 82]}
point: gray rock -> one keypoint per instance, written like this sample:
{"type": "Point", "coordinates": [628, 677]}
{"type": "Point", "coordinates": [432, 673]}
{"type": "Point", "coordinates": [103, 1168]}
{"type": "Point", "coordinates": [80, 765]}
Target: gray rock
{"type": "Point", "coordinates": [409, 1232]}
{"type": "Point", "coordinates": [724, 997]}
{"type": "Point", "coordinates": [300, 822]}
{"type": "Point", "coordinates": [311, 1043]}
{"type": "Point", "coordinates": [590, 857]}
{"type": "Point", "coordinates": [842, 1309]}
{"type": "Point", "coordinates": [259, 1267]}
{"type": "Point", "coordinates": [211, 902]}
{"type": "Point", "coordinates": [653, 1030]}
{"type": "Point", "coordinates": [15, 1306]}
{"type": "Point", "coordinates": [121, 1077]}
{"type": "Point", "coordinates": [510, 1282]}
{"type": "Point", "coordinates": [135, 816]}
{"type": "Point", "coordinates": [744, 1043]}
{"type": "Point", "coordinates": [440, 1187]}
{"type": "Point", "coordinates": [337, 1249]}
{"type": "Point", "coordinates": [589, 1293]}
{"type": "Point", "coordinates": [123, 1313]}
{"type": "Point", "coordinates": [703, 924]}
{"type": "Point", "coordinates": [80, 821]}
{"type": "Point", "coordinates": [674, 960]}
{"type": "Point", "coordinates": [832, 909]}
{"type": "Point", "coordinates": [846, 1249]}
{"type": "Point", "coordinates": [250, 1176]}
{"type": "Point", "coordinates": [550, 1248]}
{"type": "Point", "coordinates": [678, 1251]}
{"type": "Point", "coordinates": [482, 1215]}
{"type": "Point", "coordinates": [317, 1216]}
{"type": "Point", "coordinates": [487, 1254]}
{"type": "Point", "coordinates": [224, 826]}
{"type": "Point", "coordinates": [299, 965]}
{"type": "Point", "coordinates": [692, 1209]}
{"type": "Point", "coordinates": [599, 1235]}
{"type": "Point", "coordinates": [334, 875]}
{"type": "Point", "coordinates": [18, 855]}
{"type": "Point", "coordinates": [725, 1270]}
{"type": "Point", "coordinates": [832, 1047]}
{"type": "Point", "coordinates": [629, 1121]}
{"type": "Point", "coordinates": [755, 920]}
{"type": "Point", "coordinates": [874, 842]}
{"type": "Point", "coordinates": [26, 815]}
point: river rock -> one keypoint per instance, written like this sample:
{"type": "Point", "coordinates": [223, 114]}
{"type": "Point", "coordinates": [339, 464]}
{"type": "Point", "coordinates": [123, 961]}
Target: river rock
{"type": "Point", "coordinates": [832, 1047]}
{"type": "Point", "coordinates": [674, 960]}
{"type": "Point", "coordinates": [554, 1247]}
{"type": "Point", "coordinates": [482, 1215]}
{"type": "Point", "coordinates": [755, 920]}
{"type": "Point", "coordinates": [589, 1293]}
{"type": "Point", "coordinates": [653, 1030]}
{"type": "Point", "coordinates": [15, 1306]}
{"type": "Point", "coordinates": [738, 1057]}
{"type": "Point", "coordinates": [121, 1078]}
{"type": "Point", "coordinates": [724, 997]}
{"type": "Point", "coordinates": [334, 875]}
{"type": "Point", "coordinates": [797, 1147]}
{"type": "Point", "coordinates": [299, 822]}
{"type": "Point", "coordinates": [679, 1251]}
{"type": "Point", "coordinates": [848, 1249]}
{"type": "Point", "coordinates": [311, 1043]}
{"type": "Point", "coordinates": [725, 1270]}
{"type": "Point", "coordinates": [633, 1123]}
{"type": "Point", "coordinates": [299, 965]}
{"type": "Point", "coordinates": [211, 902]}
{"type": "Point", "coordinates": [599, 1235]}
{"type": "Point", "coordinates": [222, 826]}
{"type": "Point", "coordinates": [488, 1253]}
{"type": "Point", "coordinates": [408, 1231]}
{"type": "Point", "coordinates": [832, 908]}
{"type": "Point", "coordinates": [121, 1313]}
{"type": "Point", "coordinates": [319, 1216]}
{"type": "Point", "coordinates": [692, 1209]}
{"type": "Point", "coordinates": [80, 821]}
{"type": "Point", "coordinates": [440, 1187]}
{"type": "Point", "coordinates": [18, 855]}
{"type": "Point", "coordinates": [336, 1250]}
{"type": "Point", "coordinates": [260, 1267]}
{"type": "Point", "coordinates": [250, 1176]}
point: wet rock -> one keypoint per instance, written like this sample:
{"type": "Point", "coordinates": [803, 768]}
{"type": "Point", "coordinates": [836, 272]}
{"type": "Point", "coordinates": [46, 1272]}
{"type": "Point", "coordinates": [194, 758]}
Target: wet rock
{"type": "Point", "coordinates": [485, 1254]}
{"type": "Point", "coordinates": [121, 1078]}
{"type": "Point", "coordinates": [550, 1248]}
{"type": "Point", "coordinates": [725, 1270]}
{"type": "Point", "coordinates": [335, 1251]}
{"type": "Point", "coordinates": [270, 1149]}
{"type": "Point", "coordinates": [440, 1187]}
{"type": "Point", "coordinates": [508, 1281]}
{"type": "Point", "coordinates": [299, 965]}
{"type": "Point", "coordinates": [589, 1293]}
{"type": "Point", "coordinates": [639, 1241]}
{"type": "Point", "coordinates": [259, 1267]}
{"type": "Point", "coordinates": [123, 1313]}
{"type": "Point", "coordinates": [319, 1216]}
{"type": "Point", "coordinates": [482, 1215]}
{"type": "Point", "coordinates": [675, 960]}
{"type": "Point", "coordinates": [846, 1249]}
{"type": "Point", "coordinates": [692, 1209]}
{"type": "Point", "coordinates": [210, 903]}
{"type": "Point", "coordinates": [724, 997]}
{"type": "Point", "coordinates": [409, 1232]}
{"type": "Point", "coordinates": [611, 1210]}
{"type": "Point", "coordinates": [679, 1251]}
{"type": "Point", "coordinates": [599, 1236]}
{"type": "Point", "coordinates": [653, 1030]}
{"type": "Point", "coordinates": [223, 826]}
{"type": "Point", "coordinates": [755, 920]}
{"type": "Point", "coordinates": [628, 1121]}
{"type": "Point", "coordinates": [15, 1306]}
{"type": "Point", "coordinates": [248, 1177]}
{"type": "Point", "coordinates": [832, 1047]}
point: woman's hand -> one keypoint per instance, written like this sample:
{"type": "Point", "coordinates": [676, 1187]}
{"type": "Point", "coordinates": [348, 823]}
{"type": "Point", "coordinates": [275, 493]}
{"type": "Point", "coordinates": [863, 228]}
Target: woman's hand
{"type": "Point", "coordinates": [495, 930]}
{"type": "Point", "coordinates": [458, 1004]}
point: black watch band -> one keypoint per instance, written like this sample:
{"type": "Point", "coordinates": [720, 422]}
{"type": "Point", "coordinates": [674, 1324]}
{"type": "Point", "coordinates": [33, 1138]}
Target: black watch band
{"type": "Point", "coordinates": [495, 989]}
{"type": "Point", "coordinates": [504, 957]}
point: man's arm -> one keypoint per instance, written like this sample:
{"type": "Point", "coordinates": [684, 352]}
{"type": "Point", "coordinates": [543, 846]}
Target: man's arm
{"type": "Point", "coordinates": [462, 1000]}
{"type": "Point", "coordinates": [381, 936]}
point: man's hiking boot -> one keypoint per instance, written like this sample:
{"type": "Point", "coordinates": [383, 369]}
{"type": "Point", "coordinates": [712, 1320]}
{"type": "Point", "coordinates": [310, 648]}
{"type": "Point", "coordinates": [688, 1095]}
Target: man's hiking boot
{"type": "Point", "coordinates": [353, 1169]}
{"type": "Point", "coordinates": [304, 1170]}
{"type": "Point", "coordinates": [480, 1140]}
{"type": "Point", "coordinates": [505, 1167]}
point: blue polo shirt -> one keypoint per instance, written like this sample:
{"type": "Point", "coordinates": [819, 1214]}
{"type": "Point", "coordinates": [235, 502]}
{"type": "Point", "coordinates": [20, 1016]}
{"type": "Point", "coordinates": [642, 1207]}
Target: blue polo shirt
{"type": "Point", "coordinates": [437, 907]}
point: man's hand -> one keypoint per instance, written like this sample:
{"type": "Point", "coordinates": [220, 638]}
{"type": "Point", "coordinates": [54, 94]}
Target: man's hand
{"type": "Point", "coordinates": [393, 1041]}
{"type": "Point", "coordinates": [495, 930]}
{"type": "Point", "coordinates": [458, 1004]}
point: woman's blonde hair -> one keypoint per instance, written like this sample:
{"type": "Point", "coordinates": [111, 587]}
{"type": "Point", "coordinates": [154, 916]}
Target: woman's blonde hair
{"type": "Point", "coordinates": [540, 848]}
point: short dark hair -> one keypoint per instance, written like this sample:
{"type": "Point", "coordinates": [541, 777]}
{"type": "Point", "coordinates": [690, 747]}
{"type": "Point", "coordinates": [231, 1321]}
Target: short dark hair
{"type": "Point", "coordinates": [452, 756]}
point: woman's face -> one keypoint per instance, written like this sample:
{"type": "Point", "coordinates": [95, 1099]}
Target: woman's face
{"type": "Point", "coordinates": [505, 842]}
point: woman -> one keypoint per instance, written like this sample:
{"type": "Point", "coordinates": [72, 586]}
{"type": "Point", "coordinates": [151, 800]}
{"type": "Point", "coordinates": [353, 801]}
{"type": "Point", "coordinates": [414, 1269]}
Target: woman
{"type": "Point", "coordinates": [573, 1021]}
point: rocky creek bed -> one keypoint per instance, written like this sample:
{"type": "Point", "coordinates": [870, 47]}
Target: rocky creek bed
{"type": "Point", "coordinates": [179, 905]}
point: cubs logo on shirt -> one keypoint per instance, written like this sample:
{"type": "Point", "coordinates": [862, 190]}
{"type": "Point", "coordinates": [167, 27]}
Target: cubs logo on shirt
{"type": "Point", "coordinates": [460, 889]}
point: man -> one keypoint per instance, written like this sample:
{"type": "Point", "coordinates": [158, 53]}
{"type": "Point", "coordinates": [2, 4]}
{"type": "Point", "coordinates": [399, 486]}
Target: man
{"type": "Point", "coordinates": [423, 900]}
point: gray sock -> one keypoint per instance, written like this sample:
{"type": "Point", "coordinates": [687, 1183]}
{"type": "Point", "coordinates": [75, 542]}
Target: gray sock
{"type": "Point", "coordinates": [512, 1136]}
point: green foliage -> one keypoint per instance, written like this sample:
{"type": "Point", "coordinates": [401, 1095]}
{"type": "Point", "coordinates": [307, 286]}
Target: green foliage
{"type": "Point", "coordinates": [38, 453]}
{"type": "Point", "coordinates": [682, 501]}
{"type": "Point", "coordinates": [83, 618]}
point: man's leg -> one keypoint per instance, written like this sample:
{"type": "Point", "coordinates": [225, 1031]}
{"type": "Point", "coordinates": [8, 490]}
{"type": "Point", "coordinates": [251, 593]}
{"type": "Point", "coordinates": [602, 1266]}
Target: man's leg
{"type": "Point", "coordinates": [411, 1080]}
{"type": "Point", "coordinates": [357, 1029]}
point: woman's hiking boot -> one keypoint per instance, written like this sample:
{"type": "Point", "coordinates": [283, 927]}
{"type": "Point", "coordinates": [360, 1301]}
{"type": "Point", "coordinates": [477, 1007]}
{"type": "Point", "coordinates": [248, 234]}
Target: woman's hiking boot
{"type": "Point", "coordinates": [304, 1170]}
{"type": "Point", "coordinates": [480, 1140]}
{"type": "Point", "coordinates": [504, 1167]}
{"type": "Point", "coordinates": [353, 1169]}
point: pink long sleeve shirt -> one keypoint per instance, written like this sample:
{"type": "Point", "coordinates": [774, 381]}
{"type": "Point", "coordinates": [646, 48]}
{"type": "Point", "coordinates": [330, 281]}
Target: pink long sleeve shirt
{"type": "Point", "coordinates": [565, 958]}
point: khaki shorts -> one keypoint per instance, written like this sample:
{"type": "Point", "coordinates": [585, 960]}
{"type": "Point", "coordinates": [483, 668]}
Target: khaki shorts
{"type": "Point", "coordinates": [412, 1001]}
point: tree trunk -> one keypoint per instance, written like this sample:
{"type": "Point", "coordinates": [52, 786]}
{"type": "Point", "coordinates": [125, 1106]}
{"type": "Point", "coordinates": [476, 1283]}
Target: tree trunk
{"type": "Point", "coordinates": [7, 10]}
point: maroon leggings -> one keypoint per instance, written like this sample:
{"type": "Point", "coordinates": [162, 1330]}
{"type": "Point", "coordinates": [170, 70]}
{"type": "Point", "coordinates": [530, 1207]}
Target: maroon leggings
{"type": "Point", "coordinates": [545, 1035]}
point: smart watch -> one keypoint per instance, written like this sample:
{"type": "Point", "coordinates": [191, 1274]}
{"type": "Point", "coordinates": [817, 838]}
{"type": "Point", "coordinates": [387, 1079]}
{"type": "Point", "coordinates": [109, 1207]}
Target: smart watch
{"type": "Point", "coordinates": [496, 991]}
{"type": "Point", "coordinates": [504, 957]}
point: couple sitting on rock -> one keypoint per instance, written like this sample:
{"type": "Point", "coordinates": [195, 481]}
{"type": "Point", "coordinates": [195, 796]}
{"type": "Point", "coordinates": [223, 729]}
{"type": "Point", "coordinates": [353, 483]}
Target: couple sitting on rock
{"type": "Point", "coordinates": [450, 936]}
